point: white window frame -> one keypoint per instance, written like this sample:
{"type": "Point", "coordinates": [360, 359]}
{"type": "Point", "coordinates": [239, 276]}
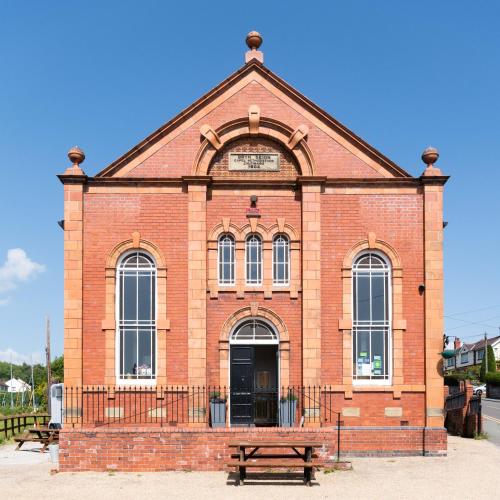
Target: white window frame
{"type": "Point", "coordinates": [462, 361]}
{"type": "Point", "coordinates": [254, 236]}
{"type": "Point", "coordinates": [286, 265]}
{"type": "Point", "coordinates": [385, 325]}
{"type": "Point", "coordinates": [220, 245]}
{"type": "Point", "coordinates": [119, 326]}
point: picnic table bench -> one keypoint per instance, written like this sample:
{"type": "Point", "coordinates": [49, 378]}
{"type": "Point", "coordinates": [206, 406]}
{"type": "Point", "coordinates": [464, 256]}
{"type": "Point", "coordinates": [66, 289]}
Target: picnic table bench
{"type": "Point", "coordinates": [295, 460]}
{"type": "Point", "coordinates": [43, 435]}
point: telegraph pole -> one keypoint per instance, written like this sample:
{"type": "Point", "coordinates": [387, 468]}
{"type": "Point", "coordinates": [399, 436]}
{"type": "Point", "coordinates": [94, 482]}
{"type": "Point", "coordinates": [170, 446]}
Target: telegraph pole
{"type": "Point", "coordinates": [47, 359]}
{"type": "Point", "coordinates": [486, 350]}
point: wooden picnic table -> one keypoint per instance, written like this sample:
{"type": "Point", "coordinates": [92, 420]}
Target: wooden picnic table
{"type": "Point", "coordinates": [43, 435]}
{"type": "Point", "coordinates": [297, 459]}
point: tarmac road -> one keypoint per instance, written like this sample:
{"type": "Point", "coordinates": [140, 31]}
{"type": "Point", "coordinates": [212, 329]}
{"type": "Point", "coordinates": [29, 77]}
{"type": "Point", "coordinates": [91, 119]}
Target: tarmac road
{"type": "Point", "coordinates": [491, 419]}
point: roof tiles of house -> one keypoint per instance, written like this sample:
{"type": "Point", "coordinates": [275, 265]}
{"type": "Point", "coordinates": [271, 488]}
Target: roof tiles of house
{"type": "Point", "coordinates": [480, 344]}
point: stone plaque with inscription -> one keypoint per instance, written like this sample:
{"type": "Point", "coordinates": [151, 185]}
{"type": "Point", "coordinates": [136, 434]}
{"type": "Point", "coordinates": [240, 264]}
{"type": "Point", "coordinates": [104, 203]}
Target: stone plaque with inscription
{"type": "Point", "coordinates": [260, 162]}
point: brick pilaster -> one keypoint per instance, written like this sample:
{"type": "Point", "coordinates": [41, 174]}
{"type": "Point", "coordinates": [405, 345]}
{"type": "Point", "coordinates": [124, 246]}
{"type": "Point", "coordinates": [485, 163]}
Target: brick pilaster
{"type": "Point", "coordinates": [73, 275]}
{"type": "Point", "coordinates": [311, 282]}
{"type": "Point", "coordinates": [197, 282]}
{"type": "Point", "coordinates": [433, 256]}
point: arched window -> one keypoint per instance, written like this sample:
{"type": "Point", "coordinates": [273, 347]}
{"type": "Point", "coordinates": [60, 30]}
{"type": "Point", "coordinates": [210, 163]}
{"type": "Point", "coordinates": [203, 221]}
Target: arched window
{"type": "Point", "coordinates": [281, 260]}
{"type": "Point", "coordinates": [137, 317]}
{"type": "Point", "coordinates": [254, 331]}
{"type": "Point", "coordinates": [372, 356]}
{"type": "Point", "coordinates": [253, 257]}
{"type": "Point", "coordinates": [226, 260]}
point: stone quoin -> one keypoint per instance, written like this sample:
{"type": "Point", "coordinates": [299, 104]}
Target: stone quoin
{"type": "Point", "coordinates": [253, 242]}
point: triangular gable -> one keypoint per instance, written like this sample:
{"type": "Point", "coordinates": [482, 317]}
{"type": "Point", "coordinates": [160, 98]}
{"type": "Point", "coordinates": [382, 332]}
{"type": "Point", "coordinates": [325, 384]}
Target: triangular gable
{"type": "Point", "coordinates": [273, 83]}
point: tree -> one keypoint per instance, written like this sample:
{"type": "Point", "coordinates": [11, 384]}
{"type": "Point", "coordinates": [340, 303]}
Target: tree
{"type": "Point", "coordinates": [492, 367]}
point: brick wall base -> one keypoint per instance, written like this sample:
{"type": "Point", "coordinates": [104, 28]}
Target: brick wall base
{"type": "Point", "coordinates": [162, 449]}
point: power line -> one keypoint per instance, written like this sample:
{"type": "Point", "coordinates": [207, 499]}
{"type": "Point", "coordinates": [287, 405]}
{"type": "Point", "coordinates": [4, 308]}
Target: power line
{"type": "Point", "coordinates": [474, 310]}
{"type": "Point", "coordinates": [480, 323]}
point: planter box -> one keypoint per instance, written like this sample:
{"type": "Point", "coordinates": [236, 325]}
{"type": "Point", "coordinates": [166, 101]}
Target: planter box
{"type": "Point", "coordinates": [218, 413]}
{"type": "Point", "coordinates": [288, 410]}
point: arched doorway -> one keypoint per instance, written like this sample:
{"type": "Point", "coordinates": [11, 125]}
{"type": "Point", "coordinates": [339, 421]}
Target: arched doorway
{"type": "Point", "coordinates": [254, 373]}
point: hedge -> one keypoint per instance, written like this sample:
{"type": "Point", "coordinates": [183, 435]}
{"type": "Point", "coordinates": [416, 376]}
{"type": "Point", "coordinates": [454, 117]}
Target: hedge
{"type": "Point", "coordinates": [455, 378]}
{"type": "Point", "coordinates": [493, 378]}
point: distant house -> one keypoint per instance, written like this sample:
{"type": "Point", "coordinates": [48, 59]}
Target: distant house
{"type": "Point", "coordinates": [469, 355]}
{"type": "Point", "coordinates": [17, 385]}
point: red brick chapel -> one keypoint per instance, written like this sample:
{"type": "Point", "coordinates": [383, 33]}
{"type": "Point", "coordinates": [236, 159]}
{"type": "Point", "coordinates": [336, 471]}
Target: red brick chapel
{"type": "Point", "coordinates": [256, 245]}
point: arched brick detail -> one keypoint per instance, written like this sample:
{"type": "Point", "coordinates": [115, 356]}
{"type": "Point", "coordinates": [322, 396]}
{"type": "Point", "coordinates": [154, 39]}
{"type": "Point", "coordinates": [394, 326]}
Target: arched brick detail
{"type": "Point", "coordinates": [254, 311]}
{"type": "Point", "coordinates": [268, 128]}
{"type": "Point", "coordinates": [142, 244]}
{"type": "Point", "coordinates": [218, 230]}
{"type": "Point", "coordinates": [109, 323]}
{"type": "Point", "coordinates": [380, 245]}
{"type": "Point", "coordinates": [288, 229]}
{"type": "Point", "coordinates": [398, 323]}
{"type": "Point", "coordinates": [246, 312]}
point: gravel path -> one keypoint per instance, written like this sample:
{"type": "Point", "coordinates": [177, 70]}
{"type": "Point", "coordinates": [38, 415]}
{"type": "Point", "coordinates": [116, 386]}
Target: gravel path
{"type": "Point", "coordinates": [470, 470]}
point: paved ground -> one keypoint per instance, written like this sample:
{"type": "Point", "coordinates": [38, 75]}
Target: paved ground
{"type": "Point", "coordinates": [26, 475]}
{"type": "Point", "coordinates": [491, 419]}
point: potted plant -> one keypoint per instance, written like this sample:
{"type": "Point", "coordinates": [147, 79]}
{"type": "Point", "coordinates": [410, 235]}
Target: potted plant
{"type": "Point", "coordinates": [217, 409]}
{"type": "Point", "coordinates": [288, 409]}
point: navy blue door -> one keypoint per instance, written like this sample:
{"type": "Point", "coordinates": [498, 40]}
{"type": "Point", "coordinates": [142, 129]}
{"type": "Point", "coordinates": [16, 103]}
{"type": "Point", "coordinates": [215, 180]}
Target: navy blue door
{"type": "Point", "coordinates": [242, 385]}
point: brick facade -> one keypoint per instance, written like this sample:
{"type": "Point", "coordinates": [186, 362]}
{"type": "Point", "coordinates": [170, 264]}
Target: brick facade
{"type": "Point", "coordinates": [333, 196]}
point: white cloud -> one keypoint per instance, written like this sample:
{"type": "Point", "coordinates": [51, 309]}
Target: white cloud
{"type": "Point", "coordinates": [17, 268]}
{"type": "Point", "coordinates": [18, 358]}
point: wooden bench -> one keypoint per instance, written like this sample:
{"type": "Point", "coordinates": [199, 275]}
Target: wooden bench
{"type": "Point", "coordinates": [295, 460]}
{"type": "Point", "coordinates": [42, 435]}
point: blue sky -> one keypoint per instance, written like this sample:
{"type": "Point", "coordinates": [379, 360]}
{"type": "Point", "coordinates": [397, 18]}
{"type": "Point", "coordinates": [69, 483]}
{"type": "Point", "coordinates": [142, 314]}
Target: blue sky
{"type": "Point", "coordinates": [103, 75]}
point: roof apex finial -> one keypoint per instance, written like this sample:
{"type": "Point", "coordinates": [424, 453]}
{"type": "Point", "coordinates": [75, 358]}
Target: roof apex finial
{"type": "Point", "coordinates": [254, 41]}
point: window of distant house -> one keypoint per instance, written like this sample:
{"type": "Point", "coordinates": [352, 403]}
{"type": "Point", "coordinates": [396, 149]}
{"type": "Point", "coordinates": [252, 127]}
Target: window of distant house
{"type": "Point", "coordinates": [226, 260]}
{"type": "Point", "coordinates": [281, 260]}
{"type": "Point", "coordinates": [253, 260]}
{"type": "Point", "coordinates": [136, 300]}
{"type": "Point", "coordinates": [480, 354]}
{"type": "Point", "coordinates": [372, 345]}
{"type": "Point", "coordinates": [464, 357]}
{"type": "Point", "coordinates": [450, 361]}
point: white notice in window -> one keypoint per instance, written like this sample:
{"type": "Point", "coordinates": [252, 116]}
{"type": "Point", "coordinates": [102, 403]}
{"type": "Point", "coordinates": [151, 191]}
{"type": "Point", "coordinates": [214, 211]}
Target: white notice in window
{"type": "Point", "coordinates": [262, 162]}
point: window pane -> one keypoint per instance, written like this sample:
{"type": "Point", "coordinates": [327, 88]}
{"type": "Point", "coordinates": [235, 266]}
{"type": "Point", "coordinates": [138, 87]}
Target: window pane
{"type": "Point", "coordinates": [144, 299]}
{"type": "Point", "coordinates": [363, 355]}
{"type": "Point", "coordinates": [362, 298]}
{"type": "Point", "coordinates": [378, 298]}
{"type": "Point", "coordinates": [130, 352]}
{"type": "Point", "coordinates": [130, 297]}
{"type": "Point", "coordinates": [378, 353]}
{"type": "Point", "coordinates": [145, 362]}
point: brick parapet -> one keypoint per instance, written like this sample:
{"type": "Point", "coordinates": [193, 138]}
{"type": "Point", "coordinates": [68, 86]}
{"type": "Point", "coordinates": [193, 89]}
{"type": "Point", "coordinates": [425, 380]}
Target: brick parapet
{"type": "Point", "coordinates": [146, 449]}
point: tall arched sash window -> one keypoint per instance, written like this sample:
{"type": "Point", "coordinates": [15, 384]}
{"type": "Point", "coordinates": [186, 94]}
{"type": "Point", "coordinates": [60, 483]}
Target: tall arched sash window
{"type": "Point", "coordinates": [253, 257]}
{"type": "Point", "coordinates": [281, 260]}
{"type": "Point", "coordinates": [226, 260]}
{"type": "Point", "coordinates": [137, 317]}
{"type": "Point", "coordinates": [372, 356]}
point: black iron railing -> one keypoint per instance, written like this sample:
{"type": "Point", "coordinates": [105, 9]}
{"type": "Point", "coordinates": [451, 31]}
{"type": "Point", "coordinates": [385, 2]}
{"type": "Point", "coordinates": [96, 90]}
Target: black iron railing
{"type": "Point", "coordinates": [175, 405]}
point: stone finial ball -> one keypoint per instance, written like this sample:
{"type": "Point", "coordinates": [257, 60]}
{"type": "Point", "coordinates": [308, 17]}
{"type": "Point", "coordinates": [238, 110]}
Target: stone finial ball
{"type": "Point", "coordinates": [430, 155]}
{"type": "Point", "coordinates": [76, 155]}
{"type": "Point", "coordinates": [254, 40]}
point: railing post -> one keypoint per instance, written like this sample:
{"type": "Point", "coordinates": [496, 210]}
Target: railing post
{"type": "Point", "coordinates": [338, 437]}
